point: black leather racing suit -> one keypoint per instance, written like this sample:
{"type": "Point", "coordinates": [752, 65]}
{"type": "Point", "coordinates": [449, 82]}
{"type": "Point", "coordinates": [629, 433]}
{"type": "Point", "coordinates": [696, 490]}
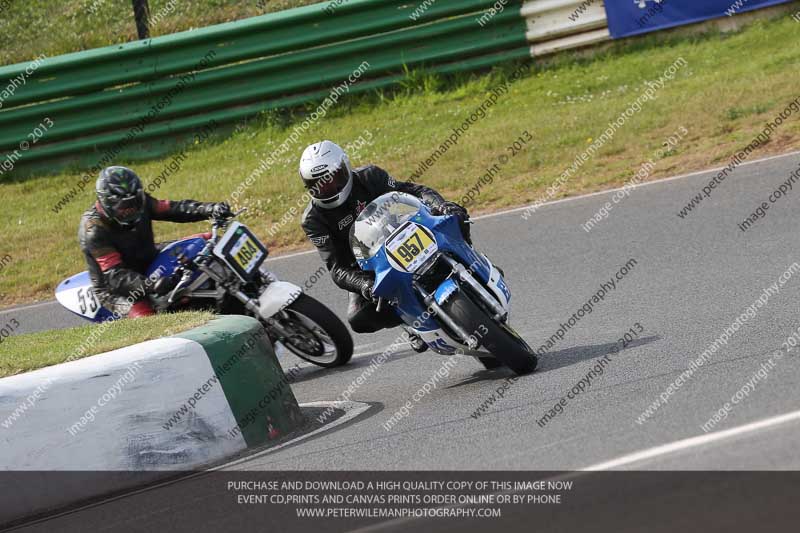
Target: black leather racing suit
{"type": "Point", "coordinates": [329, 231]}
{"type": "Point", "coordinates": [118, 257]}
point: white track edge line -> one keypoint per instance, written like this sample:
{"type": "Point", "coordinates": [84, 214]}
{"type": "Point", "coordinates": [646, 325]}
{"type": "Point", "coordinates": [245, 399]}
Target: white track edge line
{"type": "Point", "coordinates": [518, 209]}
{"type": "Point", "coordinates": [589, 195]}
{"type": "Point", "coordinates": [635, 186]}
{"type": "Point", "coordinates": [627, 459]}
{"type": "Point", "coordinates": [691, 442]}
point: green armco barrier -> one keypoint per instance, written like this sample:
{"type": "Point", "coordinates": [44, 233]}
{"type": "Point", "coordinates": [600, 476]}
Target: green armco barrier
{"type": "Point", "coordinates": [147, 96]}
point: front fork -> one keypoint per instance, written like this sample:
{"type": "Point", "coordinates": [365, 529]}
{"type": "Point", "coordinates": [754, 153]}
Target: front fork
{"type": "Point", "coordinates": [465, 276]}
{"type": "Point", "coordinates": [500, 314]}
{"type": "Point", "coordinates": [252, 305]}
{"type": "Point", "coordinates": [430, 301]}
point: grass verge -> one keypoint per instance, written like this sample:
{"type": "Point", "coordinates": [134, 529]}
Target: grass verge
{"type": "Point", "coordinates": [23, 353]}
{"type": "Point", "coordinates": [731, 85]}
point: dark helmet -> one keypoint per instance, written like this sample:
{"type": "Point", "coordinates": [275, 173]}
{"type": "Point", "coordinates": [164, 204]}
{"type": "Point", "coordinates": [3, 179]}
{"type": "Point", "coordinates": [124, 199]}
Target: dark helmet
{"type": "Point", "coordinates": [121, 195]}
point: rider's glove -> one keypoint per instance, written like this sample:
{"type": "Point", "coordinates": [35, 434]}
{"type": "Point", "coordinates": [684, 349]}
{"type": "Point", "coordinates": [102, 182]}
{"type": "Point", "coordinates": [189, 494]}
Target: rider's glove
{"type": "Point", "coordinates": [452, 208]}
{"type": "Point", "coordinates": [366, 291]}
{"type": "Point", "coordinates": [221, 210]}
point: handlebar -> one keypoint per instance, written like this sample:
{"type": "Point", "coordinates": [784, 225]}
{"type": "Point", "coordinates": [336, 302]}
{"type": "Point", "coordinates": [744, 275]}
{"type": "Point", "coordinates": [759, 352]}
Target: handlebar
{"type": "Point", "coordinates": [219, 222]}
{"type": "Point", "coordinates": [188, 268]}
{"type": "Point", "coordinates": [223, 222]}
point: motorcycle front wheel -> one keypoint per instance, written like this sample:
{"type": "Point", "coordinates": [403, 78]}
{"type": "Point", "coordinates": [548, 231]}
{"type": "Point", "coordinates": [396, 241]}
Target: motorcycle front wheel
{"type": "Point", "coordinates": [499, 339]}
{"type": "Point", "coordinates": [315, 333]}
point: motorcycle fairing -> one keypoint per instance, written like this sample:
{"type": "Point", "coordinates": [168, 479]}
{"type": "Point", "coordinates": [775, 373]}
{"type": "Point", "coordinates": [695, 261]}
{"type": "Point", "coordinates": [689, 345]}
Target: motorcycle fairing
{"type": "Point", "coordinates": [395, 285]}
{"type": "Point", "coordinates": [76, 294]}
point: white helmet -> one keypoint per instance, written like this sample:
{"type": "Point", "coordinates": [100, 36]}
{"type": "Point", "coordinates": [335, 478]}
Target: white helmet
{"type": "Point", "coordinates": [326, 173]}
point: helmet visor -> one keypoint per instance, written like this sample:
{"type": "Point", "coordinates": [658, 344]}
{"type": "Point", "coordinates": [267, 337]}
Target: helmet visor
{"type": "Point", "coordinates": [127, 209]}
{"type": "Point", "coordinates": [329, 184]}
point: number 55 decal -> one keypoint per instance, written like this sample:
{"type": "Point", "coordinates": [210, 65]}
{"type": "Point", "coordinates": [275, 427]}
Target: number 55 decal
{"type": "Point", "coordinates": [87, 302]}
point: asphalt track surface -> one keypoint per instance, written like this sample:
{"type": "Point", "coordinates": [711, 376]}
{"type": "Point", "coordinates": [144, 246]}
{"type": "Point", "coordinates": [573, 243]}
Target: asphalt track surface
{"type": "Point", "coordinates": [692, 278]}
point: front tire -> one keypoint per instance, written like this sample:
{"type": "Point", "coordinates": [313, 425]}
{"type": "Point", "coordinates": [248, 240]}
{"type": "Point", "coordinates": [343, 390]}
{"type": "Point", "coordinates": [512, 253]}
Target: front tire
{"type": "Point", "coordinates": [501, 341]}
{"type": "Point", "coordinates": [490, 363]}
{"type": "Point", "coordinates": [331, 344]}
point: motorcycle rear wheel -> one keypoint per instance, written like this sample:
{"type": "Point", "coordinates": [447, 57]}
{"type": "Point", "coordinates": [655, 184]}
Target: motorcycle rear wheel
{"type": "Point", "coordinates": [500, 340]}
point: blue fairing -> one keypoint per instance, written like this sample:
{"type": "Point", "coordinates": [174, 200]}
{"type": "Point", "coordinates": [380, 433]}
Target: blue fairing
{"type": "Point", "coordinates": [394, 284]}
{"type": "Point", "coordinates": [166, 261]}
{"type": "Point", "coordinates": [168, 258]}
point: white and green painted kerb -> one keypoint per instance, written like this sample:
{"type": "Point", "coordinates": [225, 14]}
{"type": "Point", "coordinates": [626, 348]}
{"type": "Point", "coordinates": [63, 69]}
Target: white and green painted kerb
{"type": "Point", "coordinates": [256, 390]}
{"type": "Point", "coordinates": [196, 398]}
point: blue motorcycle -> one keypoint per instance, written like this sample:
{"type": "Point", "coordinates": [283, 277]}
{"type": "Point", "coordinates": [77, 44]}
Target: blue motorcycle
{"type": "Point", "coordinates": [454, 298]}
{"type": "Point", "coordinates": [224, 270]}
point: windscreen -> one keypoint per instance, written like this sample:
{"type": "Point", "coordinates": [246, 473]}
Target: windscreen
{"type": "Point", "coordinates": [378, 220]}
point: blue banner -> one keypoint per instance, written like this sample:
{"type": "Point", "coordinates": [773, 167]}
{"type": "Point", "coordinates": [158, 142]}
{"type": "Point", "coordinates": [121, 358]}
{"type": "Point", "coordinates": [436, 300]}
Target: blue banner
{"type": "Point", "coordinates": [631, 17]}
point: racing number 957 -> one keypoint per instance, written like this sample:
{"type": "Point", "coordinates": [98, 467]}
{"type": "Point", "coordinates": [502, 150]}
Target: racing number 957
{"type": "Point", "coordinates": [411, 248]}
